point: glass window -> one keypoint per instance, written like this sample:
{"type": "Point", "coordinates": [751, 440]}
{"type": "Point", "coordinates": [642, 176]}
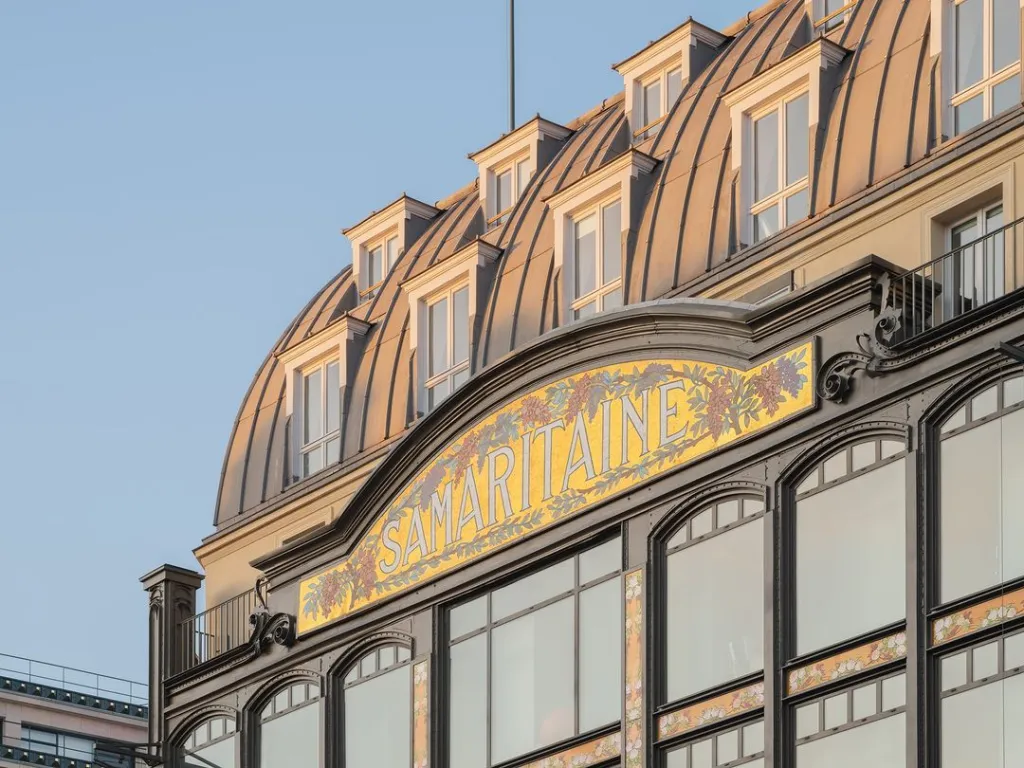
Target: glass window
{"type": "Point", "coordinates": [448, 342]}
{"type": "Point", "coordinates": [675, 85]}
{"type": "Point", "coordinates": [214, 740]}
{"type": "Point", "coordinates": [380, 258]}
{"type": "Point", "coordinates": [982, 498]}
{"type": "Point", "coordinates": [522, 177]}
{"type": "Point", "coordinates": [656, 97]}
{"type": "Point", "coordinates": [509, 184]}
{"type": "Point", "coordinates": [652, 102]}
{"type": "Point", "coordinates": [378, 710]}
{"type": "Point", "coordinates": [290, 727]}
{"type": "Point", "coordinates": [597, 260]}
{"type": "Point", "coordinates": [781, 144]}
{"type": "Point", "coordinates": [986, 60]}
{"type": "Point", "coordinates": [391, 253]}
{"type": "Point", "coordinates": [766, 156]}
{"type": "Point", "coordinates": [321, 417]}
{"type": "Point", "coordinates": [850, 553]}
{"type": "Point", "coordinates": [826, 737]}
{"type": "Point", "coordinates": [513, 671]}
{"type": "Point", "coordinates": [503, 190]}
{"type": "Point", "coordinates": [727, 642]}
{"type": "Point", "coordinates": [973, 272]}
{"type": "Point", "coordinates": [740, 746]}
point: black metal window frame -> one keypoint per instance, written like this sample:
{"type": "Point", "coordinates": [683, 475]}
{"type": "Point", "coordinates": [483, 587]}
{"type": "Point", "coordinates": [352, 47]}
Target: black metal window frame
{"type": "Point", "coordinates": [355, 676]}
{"type": "Point", "coordinates": [230, 732]}
{"type": "Point", "coordinates": [851, 685]}
{"type": "Point", "coordinates": [489, 627]}
{"type": "Point", "coordinates": [313, 694]}
{"type": "Point", "coordinates": [689, 742]}
{"type": "Point", "coordinates": [1002, 672]}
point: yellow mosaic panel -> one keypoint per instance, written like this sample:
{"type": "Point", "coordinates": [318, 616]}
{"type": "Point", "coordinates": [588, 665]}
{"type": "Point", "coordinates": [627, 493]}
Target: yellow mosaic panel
{"type": "Point", "coordinates": [549, 455]}
{"type": "Point", "coordinates": [711, 711]}
{"type": "Point", "coordinates": [847, 663]}
{"type": "Point", "coordinates": [591, 753]}
{"type": "Point", "coordinates": [421, 715]}
{"type": "Point", "coordinates": [633, 725]}
{"type": "Point", "coordinates": [967, 621]}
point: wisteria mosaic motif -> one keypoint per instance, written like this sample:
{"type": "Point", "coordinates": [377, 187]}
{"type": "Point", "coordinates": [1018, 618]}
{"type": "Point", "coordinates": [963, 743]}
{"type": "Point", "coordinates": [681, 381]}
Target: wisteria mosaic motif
{"type": "Point", "coordinates": [591, 753]}
{"type": "Point", "coordinates": [711, 711]}
{"type": "Point", "coordinates": [421, 715]}
{"type": "Point", "coordinates": [549, 455]}
{"type": "Point", "coordinates": [848, 663]}
{"type": "Point", "coordinates": [976, 618]}
{"type": "Point", "coordinates": [633, 724]}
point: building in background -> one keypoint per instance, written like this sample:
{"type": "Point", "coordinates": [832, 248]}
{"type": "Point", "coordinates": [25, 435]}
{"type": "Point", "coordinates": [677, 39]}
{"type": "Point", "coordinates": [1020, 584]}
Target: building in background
{"type": "Point", "coordinates": [688, 433]}
{"type": "Point", "coordinates": [60, 717]}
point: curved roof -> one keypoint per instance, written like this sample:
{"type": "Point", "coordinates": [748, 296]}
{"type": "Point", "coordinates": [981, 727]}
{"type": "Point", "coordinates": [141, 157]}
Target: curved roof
{"type": "Point", "coordinates": [687, 226]}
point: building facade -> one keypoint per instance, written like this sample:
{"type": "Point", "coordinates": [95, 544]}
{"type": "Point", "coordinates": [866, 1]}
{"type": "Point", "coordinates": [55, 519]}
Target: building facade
{"type": "Point", "coordinates": [60, 717]}
{"type": "Point", "coordinates": [689, 434]}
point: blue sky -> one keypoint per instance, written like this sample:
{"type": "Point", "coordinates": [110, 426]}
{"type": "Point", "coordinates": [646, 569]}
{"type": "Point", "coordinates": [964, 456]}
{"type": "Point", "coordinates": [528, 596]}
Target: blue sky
{"type": "Point", "coordinates": [173, 179]}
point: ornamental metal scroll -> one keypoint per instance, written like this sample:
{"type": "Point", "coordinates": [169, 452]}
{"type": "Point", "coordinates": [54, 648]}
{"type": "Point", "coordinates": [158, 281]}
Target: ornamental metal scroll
{"type": "Point", "coordinates": [550, 455]}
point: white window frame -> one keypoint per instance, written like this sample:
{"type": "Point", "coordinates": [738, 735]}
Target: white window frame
{"type": "Point", "coordinates": [602, 288]}
{"type": "Point", "coordinates": [452, 369]}
{"type": "Point", "coordinates": [387, 264]}
{"type": "Point", "coordinates": [650, 127]}
{"type": "Point", "coordinates": [321, 442]}
{"type": "Point", "coordinates": [523, 161]}
{"type": "Point", "coordinates": [824, 20]}
{"type": "Point", "coordinates": [783, 192]}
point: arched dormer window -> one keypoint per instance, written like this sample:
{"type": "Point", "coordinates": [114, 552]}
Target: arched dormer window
{"type": "Point", "coordinates": [289, 726]}
{"type": "Point", "coordinates": [212, 742]}
{"type": "Point", "coordinates": [850, 529]}
{"type": "Point", "coordinates": [727, 642]}
{"type": "Point", "coordinates": [378, 709]}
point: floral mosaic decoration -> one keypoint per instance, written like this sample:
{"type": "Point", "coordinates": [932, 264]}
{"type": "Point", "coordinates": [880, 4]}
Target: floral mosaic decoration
{"type": "Point", "coordinates": [591, 753]}
{"type": "Point", "coordinates": [977, 617]}
{"type": "Point", "coordinates": [711, 711]}
{"type": "Point", "coordinates": [633, 725]}
{"type": "Point", "coordinates": [848, 663]}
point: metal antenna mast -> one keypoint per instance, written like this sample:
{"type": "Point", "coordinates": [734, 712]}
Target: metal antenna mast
{"type": "Point", "coordinates": [511, 65]}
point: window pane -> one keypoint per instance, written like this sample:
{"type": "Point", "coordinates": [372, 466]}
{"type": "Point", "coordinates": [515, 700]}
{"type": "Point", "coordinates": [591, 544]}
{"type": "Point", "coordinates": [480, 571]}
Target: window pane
{"type": "Point", "coordinates": [373, 263]}
{"type": "Point", "coordinates": [438, 336]}
{"type": "Point", "coordinates": [1006, 95]}
{"type": "Point", "coordinates": [532, 681]}
{"type": "Point", "coordinates": [612, 299]}
{"type": "Point", "coordinates": [436, 394]}
{"type": "Point", "coordinates": [459, 378]}
{"type": "Point", "coordinates": [333, 396]}
{"type": "Point", "coordinates": [728, 641]}
{"type": "Point", "coordinates": [531, 590]}
{"type": "Point", "coordinates": [312, 407]}
{"type": "Point", "coordinates": [467, 726]}
{"type": "Point", "coordinates": [1005, 33]}
{"type": "Point", "coordinates": [333, 451]}
{"type": "Point", "coordinates": [970, 113]}
{"type": "Point", "coordinates": [292, 739]}
{"type": "Point", "coordinates": [221, 754]}
{"type": "Point", "coordinates": [600, 698]}
{"type": "Point", "coordinates": [766, 156]}
{"type": "Point", "coordinates": [980, 727]}
{"type": "Point", "coordinates": [675, 86]}
{"type": "Point", "coordinates": [522, 177]}
{"type": "Point", "coordinates": [954, 671]}
{"type": "Point", "coordinates": [460, 326]}
{"type": "Point", "coordinates": [766, 223]}
{"type": "Point", "coordinates": [652, 102]}
{"type": "Point", "coordinates": [601, 560]}
{"type": "Point", "coordinates": [880, 744]}
{"type": "Point", "coordinates": [586, 310]}
{"type": "Point", "coordinates": [851, 558]}
{"type": "Point", "coordinates": [585, 255]}
{"type": "Point", "coordinates": [377, 721]}
{"type": "Point", "coordinates": [611, 242]}
{"type": "Point", "coordinates": [796, 207]}
{"type": "Point", "coordinates": [968, 20]}
{"type": "Point", "coordinates": [503, 191]}
{"type": "Point", "coordinates": [312, 461]}
{"type": "Point", "coordinates": [467, 617]}
{"type": "Point", "coordinates": [392, 253]}
{"type": "Point", "coordinates": [797, 138]}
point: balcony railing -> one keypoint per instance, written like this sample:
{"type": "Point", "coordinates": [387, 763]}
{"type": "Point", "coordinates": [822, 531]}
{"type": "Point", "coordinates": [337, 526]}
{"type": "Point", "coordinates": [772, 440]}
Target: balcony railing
{"type": "Point", "coordinates": [216, 631]}
{"type": "Point", "coordinates": [958, 282]}
{"type": "Point", "coordinates": [73, 686]}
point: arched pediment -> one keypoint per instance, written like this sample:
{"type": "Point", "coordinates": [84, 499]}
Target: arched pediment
{"type": "Point", "coordinates": [552, 431]}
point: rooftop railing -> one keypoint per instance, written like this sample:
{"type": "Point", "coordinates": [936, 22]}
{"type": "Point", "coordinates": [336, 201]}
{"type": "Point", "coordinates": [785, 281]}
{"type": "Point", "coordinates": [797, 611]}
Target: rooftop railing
{"type": "Point", "coordinates": [957, 283]}
{"type": "Point", "coordinates": [216, 631]}
{"type": "Point", "coordinates": [73, 686]}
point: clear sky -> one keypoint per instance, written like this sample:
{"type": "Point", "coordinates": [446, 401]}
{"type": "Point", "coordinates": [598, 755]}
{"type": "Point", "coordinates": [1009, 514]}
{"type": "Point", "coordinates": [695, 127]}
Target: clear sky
{"type": "Point", "coordinates": [173, 179]}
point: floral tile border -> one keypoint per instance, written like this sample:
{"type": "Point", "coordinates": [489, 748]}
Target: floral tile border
{"type": "Point", "coordinates": [633, 722]}
{"type": "Point", "coordinates": [591, 753]}
{"type": "Point", "coordinates": [421, 714]}
{"type": "Point", "coordinates": [711, 711]}
{"type": "Point", "coordinates": [847, 663]}
{"type": "Point", "coordinates": [967, 621]}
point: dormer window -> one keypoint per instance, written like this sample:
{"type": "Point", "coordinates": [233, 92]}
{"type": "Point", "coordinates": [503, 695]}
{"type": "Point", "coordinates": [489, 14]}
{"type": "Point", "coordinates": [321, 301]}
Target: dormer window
{"type": "Point", "coordinates": [780, 166]}
{"type": "Point", "coordinates": [986, 66]}
{"type": "Point", "coordinates": [507, 165]}
{"type": "Point", "coordinates": [654, 77]}
{"type": "Point", "coordinates": [447, 343]}
{"type": "Point", "coordinates": [321, 416]}
{"type": "Point", "coordinates": [597, 259]}
{"type": "Point", "coordinates": [380, 239]}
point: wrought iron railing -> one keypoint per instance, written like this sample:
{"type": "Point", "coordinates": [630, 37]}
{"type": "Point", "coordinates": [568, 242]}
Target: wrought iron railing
{"type": "Point", "coordinates": [215, 631]}
{"type": "Point", "coordinates": [73, 686]}
{"type": "Point", "coordinates": [955, 284]}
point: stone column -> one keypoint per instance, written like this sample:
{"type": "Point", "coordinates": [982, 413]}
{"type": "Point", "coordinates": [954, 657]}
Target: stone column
{"type": "Point", "coordinates": [172, 599]}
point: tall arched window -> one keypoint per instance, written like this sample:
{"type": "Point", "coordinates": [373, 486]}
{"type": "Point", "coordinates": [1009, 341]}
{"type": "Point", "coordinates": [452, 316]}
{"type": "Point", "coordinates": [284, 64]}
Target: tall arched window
{"type": "Point", "coordinates": [850, 529]}
{"type": "Point", "coordinates": [214, 741]}
{"type": "Point", "coordinates": [378, 709]}
{"type": "Point", "coordinates": [714, 593]}
{"type": "Point", "coordinates": [289, 730]}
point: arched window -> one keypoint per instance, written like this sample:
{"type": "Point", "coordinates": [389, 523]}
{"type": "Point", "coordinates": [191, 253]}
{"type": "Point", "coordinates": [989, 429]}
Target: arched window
{"type": "Point", "coordinates": [981, 519]}
{"type": "Point", "coordinates": [850, 530]}
{"type": "Point", "coordinates": [289, 730]}
{"type": "Point", "coordinates": [742, 745]}
{"type": "Point", "coordinates": [213, 741]}
{"type": "Point", "coordinates": [714, 593]}
{"type": "Point", "coordinates": [378, 709]}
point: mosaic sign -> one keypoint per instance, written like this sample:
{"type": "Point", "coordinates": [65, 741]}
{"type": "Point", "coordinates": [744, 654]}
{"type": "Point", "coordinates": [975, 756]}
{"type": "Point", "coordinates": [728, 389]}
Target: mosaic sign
{"type": "Point", "coordinates": [550, 455]}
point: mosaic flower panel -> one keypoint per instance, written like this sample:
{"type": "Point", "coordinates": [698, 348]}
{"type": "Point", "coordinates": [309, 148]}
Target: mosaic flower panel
{"type": "Point", "coordinates": [633, 723]}
{"type": "Point", "coordinates": [848, 663]}
{"type": "Point", "coordinates": [421, 715]}
{"type": "Point", "coordinates": [712, 710]}
{"type": "Point", "coordinates": [967, 621]}
{"type": "Point", "coordinates": [591, 753]}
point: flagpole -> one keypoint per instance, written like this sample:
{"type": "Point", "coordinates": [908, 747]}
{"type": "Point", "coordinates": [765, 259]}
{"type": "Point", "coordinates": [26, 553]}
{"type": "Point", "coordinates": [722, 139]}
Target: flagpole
{"type": "Point", "coordinates": [511, 65]}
